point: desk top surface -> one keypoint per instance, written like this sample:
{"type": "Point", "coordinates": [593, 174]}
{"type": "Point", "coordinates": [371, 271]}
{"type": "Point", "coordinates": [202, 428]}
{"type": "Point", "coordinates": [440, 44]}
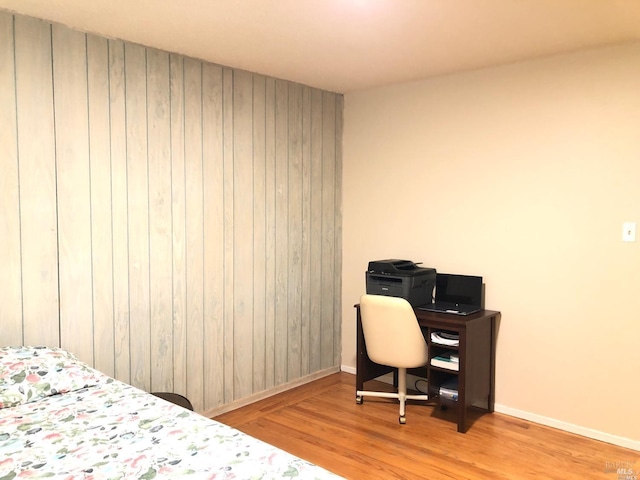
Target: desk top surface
{"type": "Point", "coordinates": [450, 318]}
{"type": "Point", "coordinates": [453, 318]}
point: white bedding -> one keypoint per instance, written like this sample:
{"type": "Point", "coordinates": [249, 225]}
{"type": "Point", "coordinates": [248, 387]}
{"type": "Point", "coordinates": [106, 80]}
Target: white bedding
{"type": "Point", "coordinates": [95, 427]}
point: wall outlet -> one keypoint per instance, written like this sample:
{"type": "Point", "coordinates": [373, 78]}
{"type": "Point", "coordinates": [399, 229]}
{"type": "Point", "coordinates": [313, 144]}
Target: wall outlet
{"type": "Point", "coordinates": [629, 232]}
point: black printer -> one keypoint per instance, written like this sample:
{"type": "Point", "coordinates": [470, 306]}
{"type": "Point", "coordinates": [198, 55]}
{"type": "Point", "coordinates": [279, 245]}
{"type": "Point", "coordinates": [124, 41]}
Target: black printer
{"type": "Point", "coordinates": [401, 278]}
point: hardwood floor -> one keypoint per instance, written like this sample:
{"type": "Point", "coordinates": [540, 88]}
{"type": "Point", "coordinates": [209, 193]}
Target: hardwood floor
{"type": "Point", "coordinates": [322, 423]}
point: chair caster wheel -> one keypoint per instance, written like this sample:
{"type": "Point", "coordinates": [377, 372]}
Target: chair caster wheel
{"type": "Point", "coordinates": [359, 399]}
{"type": "Point", "coordinates": [402, 419]}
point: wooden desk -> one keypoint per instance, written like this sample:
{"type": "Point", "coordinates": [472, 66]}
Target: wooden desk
{"type": "Point", "coordinates": [476, 375]}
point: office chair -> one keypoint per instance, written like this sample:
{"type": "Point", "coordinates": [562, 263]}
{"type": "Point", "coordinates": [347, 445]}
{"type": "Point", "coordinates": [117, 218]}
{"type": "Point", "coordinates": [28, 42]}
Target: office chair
{"type": "Point", "coordinates": [392, 337]}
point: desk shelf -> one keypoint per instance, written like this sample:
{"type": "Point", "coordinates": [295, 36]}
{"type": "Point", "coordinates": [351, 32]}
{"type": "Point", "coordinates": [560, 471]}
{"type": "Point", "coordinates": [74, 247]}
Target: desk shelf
{"type": "Point", "coordinates": [436, 375]}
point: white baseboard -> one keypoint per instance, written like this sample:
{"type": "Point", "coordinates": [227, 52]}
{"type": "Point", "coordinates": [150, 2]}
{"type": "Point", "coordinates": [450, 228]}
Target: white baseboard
{"type": "Point", "coordinates": [569, 427]}
{"type": "Point", "coordinates": [549, 422]}
{"type": "Point", "coordinates": [213, 412]}
{"type": "Point", "coordinates": [351, 370]}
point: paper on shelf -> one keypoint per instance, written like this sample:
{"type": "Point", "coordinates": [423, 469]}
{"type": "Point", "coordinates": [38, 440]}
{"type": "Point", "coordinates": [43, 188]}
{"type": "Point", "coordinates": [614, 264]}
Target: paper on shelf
{"type": "Point", "coordinates": [443, 338]}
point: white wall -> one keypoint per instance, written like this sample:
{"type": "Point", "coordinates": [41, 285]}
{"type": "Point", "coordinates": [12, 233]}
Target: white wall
{"type": "Point", "coordinates": [523, 174]}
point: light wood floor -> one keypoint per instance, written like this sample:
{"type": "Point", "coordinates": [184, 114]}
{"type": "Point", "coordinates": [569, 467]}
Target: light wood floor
{"type": "Point", "coordinates": [322, 423]}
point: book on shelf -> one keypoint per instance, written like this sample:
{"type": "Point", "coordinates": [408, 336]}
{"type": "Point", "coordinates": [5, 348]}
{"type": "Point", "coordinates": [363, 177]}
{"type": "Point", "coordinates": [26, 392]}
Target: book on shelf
{"type": "Point", "coordinates": [445, 338]}
{"type": "Point", "coordinates": [435, 362]}
{"type": "Point", "coordinates": [449, 360]}
{"type": "Point", "coordinates": [449, 356]}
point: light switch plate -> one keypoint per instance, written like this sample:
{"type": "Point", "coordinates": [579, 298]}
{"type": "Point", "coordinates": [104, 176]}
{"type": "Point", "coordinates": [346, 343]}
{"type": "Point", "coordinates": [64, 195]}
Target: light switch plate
{"type": "Point", "coordinates": [629, 232]}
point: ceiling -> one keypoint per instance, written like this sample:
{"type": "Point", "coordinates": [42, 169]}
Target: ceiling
{"type": "Point", "coordinates": [348, 45]}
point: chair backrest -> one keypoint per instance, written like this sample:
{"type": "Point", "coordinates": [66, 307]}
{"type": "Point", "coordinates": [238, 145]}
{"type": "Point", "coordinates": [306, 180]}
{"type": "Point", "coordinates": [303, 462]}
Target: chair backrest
{"type": "Point", "coordinates": [391, 332]}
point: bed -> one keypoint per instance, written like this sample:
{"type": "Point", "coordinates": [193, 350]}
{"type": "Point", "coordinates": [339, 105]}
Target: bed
{"type": "Point", "coordinates": [61, 418]}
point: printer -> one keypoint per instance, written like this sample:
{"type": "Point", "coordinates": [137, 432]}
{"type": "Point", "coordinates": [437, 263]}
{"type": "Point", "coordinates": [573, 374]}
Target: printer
{"type": "Point", "coordinates": [401, 278]}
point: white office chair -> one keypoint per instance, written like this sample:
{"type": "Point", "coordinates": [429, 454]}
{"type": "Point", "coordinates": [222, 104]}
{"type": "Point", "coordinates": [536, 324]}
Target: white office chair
{"type": "Point", "coordinates": [393, 338]}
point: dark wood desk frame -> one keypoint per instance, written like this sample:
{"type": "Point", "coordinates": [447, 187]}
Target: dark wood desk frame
{"type": "Point", "coordinates": [476, 375]}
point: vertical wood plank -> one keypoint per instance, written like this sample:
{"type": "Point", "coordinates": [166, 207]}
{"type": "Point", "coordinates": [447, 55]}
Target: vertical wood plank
{"type": "Point", "coordinates": [307, 239]}
{"type": "Point", "coordinates": [214, 239]}
{"type": "Point", "coordinates": [243, 233]}
{"type": "Point", "coordinates": [36, 147]}
{"type": "Point", "coordinates": [259, 233]}
{"type": "Point", "coordinates": [100, 188]}
{"type": "Point", "coordinates": [228, 230]}
{"type": "Point", "coordinates": [281, 231]}
{"type": "Point", "coordinates": [74, 200]}
{"type": "Point", "coordinates": [119, 211]}
{"type": "Point", "coordinates": [194, 236]}
{"type": "Point", "coordinates": [327, 326]}
{"type": "Point", "coordinates": [160, 241]}
{"type": "Point", "coordinates": [337, 212]}
{"type": "Point", "coordinates": [138, 207]}
{"type": "Point", "coordinates": [294, 234]}
{"type": "Point", "coordinates": [270, 229]}
{"type": "Point", "coordinates": [316, 299]}
{"type": "Point", "coordinates": [10, 280]}
{"type": "Point", "coordinates": [178, 225]}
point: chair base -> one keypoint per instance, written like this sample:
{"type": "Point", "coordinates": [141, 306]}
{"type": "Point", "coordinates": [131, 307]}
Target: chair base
{"type": "Point", "coordinates": [401, 394]}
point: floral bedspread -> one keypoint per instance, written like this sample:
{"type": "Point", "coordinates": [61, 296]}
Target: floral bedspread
{"type": "Point", "coordinates": [107, 429]}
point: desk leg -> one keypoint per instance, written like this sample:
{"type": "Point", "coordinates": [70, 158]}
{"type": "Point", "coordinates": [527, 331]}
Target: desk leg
{"type": "Point", "coordinates": [359, 379]}
{"type": "Point", "coordinates": [492, 366]}
{"type": "Point", "coordinates": [462, 419]}
{"type": "Point", "coordinates": [362, 360]}
{"type": "Point", "coordinates": [365, 368]}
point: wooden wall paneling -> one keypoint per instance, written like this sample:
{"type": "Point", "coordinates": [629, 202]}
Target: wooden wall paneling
{"type": "Point", "coordinates": [259, 233]}
{"type": "Point", "coordinates": [138, 207]}
{"type": "Point", "coordinates": [178, 225]}
{"type": "Point", "coordinates": [228, 230]}
{"type": "Point", "coordinates": [194, 231]}
{"type": "Point", "coordinates": [10, 279]}
{"type": "Point", "coordinates": [294, 234]}
{"type": "Point", "coordinates": [243, 236]}
{"type": "Point", "coordinates": [337, 253]}
{"type": "Point", "coordinates": [198, 208]}
{"type": "Point", "coordinates": [160, 235]}
{"type": "Point", "coordinates": [315, 221]}
{"type": "Point", "coordinates": [270, 233]}
{"type": "Point", "coordinates": [73, 189]}
{"type": "Point", "coordinates": [100, 188]}
{"type": "Point", "coordinates": [305, 260]}
{"type": "Point", "coordinates": [119, 211]}
{"type": "Point", "coordinates": [36, 147]}
{"type": "Point", "coordinates": [214, 239]}
{"type": "Point", "coordinates": [328, 326]}
{"type": "Point", "coordinates": [281, 230]}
